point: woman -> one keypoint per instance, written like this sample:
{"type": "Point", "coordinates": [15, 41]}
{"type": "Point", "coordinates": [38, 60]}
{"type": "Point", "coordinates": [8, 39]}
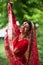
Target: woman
{"type": "Point", "coordinates": [24, 50]}
{"type": "Point", "coordinates": [21, 42]}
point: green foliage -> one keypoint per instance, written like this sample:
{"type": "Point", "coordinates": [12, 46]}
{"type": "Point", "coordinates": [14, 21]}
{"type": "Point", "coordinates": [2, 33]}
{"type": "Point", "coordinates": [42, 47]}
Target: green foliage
{"type": "Point", "coordinates": [23, 9]}
{"type": "Point", "coordinates": [40, 43]}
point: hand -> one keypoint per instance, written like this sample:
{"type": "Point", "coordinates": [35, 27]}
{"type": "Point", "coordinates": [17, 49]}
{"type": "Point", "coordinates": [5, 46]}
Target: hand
{"type": "Point", "coordinates": [16, 50]}
{"type": "Point", "coordinates": [11, 3]}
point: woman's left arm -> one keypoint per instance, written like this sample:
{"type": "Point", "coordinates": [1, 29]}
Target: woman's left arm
{"type": "Point", "coordinates": [16, 51]}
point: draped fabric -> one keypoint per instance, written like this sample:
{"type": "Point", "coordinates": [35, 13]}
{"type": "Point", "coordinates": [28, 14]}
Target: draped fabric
{"type": "Point", "coordinates": [32, 51]}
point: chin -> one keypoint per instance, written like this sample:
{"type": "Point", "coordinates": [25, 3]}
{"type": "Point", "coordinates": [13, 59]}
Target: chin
{"type": "Point", "coordinates": [21, 31]}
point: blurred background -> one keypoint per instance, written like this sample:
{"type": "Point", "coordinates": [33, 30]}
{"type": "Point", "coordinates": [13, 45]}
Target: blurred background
{"type": "Point", "coordinates": [23, 9]}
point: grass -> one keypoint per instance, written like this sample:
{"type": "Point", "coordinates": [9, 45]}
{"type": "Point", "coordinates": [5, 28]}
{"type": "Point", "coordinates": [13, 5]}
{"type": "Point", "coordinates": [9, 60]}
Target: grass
{"type": "Point", "coordinates": [3, 60]}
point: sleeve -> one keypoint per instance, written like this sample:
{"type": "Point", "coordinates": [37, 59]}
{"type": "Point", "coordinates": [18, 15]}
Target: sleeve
{"type": "Point", "coordinates": [16, 28]}
{"type": "Point", "coordinates": [12, 20]}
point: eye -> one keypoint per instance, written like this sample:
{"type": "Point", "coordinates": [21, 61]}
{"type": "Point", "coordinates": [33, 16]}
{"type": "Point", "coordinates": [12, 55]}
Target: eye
{"type": "Point", "coordinates": [24, 22]}
{"type": "Point", "coordinates": [25, 26]}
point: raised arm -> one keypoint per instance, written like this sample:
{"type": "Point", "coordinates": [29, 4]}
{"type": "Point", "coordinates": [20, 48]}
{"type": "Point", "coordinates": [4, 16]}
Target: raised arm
{"type": "Point", "coordinates": [12, 21]}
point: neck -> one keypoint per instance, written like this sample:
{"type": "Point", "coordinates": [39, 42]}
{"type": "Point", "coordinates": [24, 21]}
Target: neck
{"type": "Point", "coordinates": [22, 36]}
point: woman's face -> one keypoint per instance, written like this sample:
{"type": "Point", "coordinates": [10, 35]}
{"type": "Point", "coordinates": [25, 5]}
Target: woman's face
{"type": "Point", "coordinates": [24, 27]}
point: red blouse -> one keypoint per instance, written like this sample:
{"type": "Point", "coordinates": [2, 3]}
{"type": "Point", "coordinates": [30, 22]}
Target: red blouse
{"type": "Point", "coordinates": [22, 45]}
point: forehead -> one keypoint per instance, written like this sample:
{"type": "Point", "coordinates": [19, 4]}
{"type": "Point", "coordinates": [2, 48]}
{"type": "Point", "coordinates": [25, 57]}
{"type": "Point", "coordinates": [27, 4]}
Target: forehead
{"type": "Point", "coordinates": [25, 23]}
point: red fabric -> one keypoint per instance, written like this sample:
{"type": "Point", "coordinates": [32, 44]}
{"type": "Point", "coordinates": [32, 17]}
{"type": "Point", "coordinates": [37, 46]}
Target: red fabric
{"type": "Point", "coordinates": [35, 55]}
{"type": "Point", "coordinates": [22, 45]}
{"type": "Point", "coordinates": [33, 58]}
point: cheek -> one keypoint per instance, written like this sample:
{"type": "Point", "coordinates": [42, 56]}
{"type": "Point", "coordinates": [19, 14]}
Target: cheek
{"type": "Point", "coordinates": [21, 27]}
{"type": "Point", "coordinates": [26, 29]}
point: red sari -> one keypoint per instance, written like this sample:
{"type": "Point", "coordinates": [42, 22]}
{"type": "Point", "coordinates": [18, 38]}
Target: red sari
{"type": "Point", "coordinates": [28, 54]}
{"type": "Point", "coordinates": [22, 45]}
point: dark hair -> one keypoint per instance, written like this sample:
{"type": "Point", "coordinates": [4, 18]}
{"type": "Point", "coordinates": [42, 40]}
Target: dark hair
{"type": "Point", "coordinates": [30, 24]}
